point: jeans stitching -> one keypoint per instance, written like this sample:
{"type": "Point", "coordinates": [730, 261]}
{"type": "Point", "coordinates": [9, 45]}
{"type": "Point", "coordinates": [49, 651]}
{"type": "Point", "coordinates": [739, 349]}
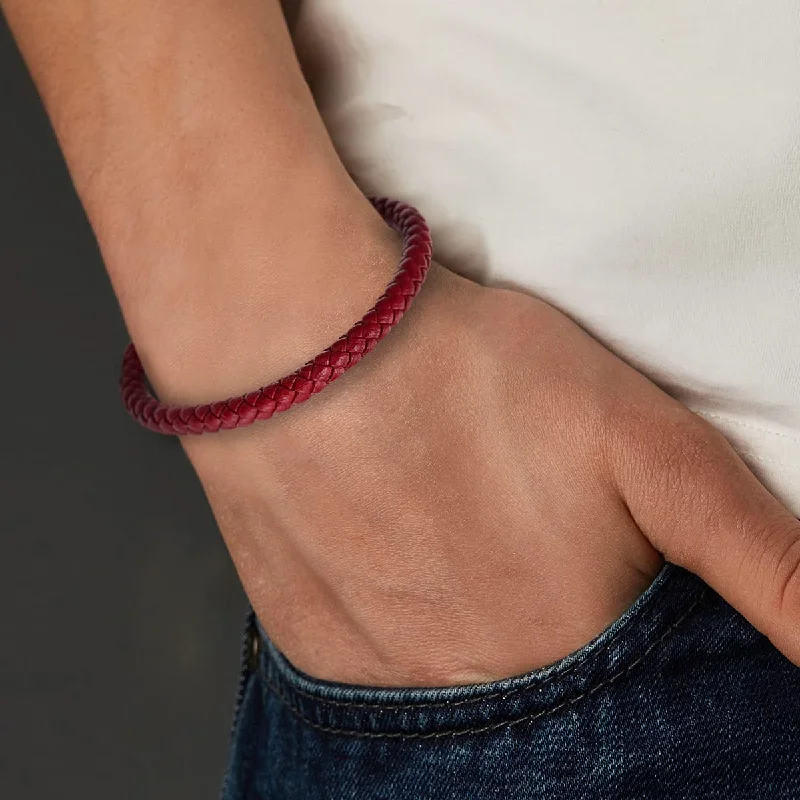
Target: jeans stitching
{"type": "Point", "coordinates": [492, 726]}
{"type": "Point", "coordinates": [469, 700]}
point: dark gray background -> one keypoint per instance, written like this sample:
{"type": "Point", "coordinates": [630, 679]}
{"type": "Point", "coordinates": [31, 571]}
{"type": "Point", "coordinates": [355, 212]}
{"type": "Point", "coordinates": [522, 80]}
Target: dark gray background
{"type": "Point", "coordinates": [120, 612]}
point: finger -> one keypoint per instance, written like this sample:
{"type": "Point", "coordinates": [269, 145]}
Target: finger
{"type": "Point", "coordinates": [699, 504]}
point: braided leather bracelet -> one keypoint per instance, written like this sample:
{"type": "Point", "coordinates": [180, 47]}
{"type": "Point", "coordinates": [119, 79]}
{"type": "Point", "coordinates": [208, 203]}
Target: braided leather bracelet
{"type": "Point", "coordinates": [312, 377]}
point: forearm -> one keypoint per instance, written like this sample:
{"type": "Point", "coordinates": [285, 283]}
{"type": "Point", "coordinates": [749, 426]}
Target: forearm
{"type": "Point", "coordinates": [235, 241]}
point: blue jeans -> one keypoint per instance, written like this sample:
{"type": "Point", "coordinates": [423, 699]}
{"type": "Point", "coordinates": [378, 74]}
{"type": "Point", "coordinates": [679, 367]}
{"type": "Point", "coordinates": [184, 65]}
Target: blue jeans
{"type": "Point", "coordinates": [679, 698]}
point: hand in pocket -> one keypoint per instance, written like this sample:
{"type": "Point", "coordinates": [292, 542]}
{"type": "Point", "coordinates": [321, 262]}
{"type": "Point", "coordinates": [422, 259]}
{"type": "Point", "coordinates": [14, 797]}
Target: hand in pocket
{"type": "Point", "coordinates": [481, 496]}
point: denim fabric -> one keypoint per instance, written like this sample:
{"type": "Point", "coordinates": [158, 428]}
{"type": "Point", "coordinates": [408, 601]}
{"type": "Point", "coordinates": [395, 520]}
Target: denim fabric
{"type": "Point", "coordinates": [679, 698]}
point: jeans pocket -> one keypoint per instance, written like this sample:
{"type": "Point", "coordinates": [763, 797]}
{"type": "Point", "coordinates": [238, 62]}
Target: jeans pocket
{"type": "Point", "coordinates": [679, 697]}
{"type": "Point", "coordinates": [453, 711]}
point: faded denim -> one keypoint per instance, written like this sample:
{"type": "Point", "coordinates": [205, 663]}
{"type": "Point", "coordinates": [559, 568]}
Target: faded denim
{"type": "Point", "coordinates": [680, 698]}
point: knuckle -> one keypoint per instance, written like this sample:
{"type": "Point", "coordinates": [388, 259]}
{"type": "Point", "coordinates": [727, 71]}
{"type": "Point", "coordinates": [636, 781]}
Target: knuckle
{"type": "Point", "coordinates": [685, 453]}
{"type": "Point", "coordinates": [684, 476]}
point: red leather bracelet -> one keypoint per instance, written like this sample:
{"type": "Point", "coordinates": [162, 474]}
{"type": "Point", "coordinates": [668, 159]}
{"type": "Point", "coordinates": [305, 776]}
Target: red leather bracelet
{"type": "Point", "coordinates": [313, 376]}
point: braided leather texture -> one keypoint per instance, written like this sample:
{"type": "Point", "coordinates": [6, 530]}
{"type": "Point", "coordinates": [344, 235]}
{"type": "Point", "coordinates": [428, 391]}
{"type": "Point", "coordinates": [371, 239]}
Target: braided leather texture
{"type": "Point", "coordinates": [313, 376]}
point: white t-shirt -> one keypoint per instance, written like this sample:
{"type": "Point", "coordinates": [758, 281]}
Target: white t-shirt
{"type": "Point", "coordinates": [635, 164]}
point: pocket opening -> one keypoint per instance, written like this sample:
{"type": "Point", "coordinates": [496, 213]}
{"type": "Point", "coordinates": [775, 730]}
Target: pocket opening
{"type": "Point", "coordinates": [429, 711]}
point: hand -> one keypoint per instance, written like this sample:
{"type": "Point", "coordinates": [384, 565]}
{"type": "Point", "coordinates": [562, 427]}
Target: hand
{"type": "Point", "coordinates": [482, 495]}
{"type": "Point", "coordinates": [487, 489]}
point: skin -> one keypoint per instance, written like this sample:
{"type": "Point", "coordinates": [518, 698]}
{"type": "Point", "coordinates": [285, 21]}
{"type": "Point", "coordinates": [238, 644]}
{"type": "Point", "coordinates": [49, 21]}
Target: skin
{"type": "Point", "coordinates": [481, 495]}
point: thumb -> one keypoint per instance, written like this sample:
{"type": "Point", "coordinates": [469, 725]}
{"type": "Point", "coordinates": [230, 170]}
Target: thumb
{"type": "Point", "coordinates": [698, 503]}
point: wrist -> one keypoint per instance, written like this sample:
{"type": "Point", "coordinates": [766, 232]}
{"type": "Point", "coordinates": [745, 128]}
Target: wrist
{"type": "Point", "coordinates": [236, 242]}
{"type": "Point", "coordinates": [257, 292]}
